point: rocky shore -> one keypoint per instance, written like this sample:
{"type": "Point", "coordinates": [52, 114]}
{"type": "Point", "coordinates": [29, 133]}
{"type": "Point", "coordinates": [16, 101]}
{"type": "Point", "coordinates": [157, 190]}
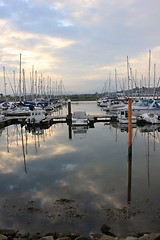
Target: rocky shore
{"type": "Point", "coordinates": [106, 234]}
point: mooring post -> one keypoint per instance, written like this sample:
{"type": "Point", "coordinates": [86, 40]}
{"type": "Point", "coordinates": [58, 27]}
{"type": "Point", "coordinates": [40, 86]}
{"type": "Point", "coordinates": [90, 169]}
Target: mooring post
{"type": "Point", "coordinates": [70, 131]}
{"type": "Point", "coordinates": [129, 149]}
{"type": "Point", "coordinates": [130, 124]}
{"type": "Point", "coordinates": [69, 116]}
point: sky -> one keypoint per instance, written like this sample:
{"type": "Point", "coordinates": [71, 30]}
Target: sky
{"type": "Point", "coordinates": [83, 44]}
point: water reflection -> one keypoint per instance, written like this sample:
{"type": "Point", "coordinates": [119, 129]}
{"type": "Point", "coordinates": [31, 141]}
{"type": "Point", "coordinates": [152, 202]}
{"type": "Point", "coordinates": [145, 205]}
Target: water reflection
{"type": "Point", "coordinates": [49, 181]}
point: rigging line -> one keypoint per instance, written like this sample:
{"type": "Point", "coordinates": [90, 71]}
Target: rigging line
{"type": "Point", "coordinates": [135, 135]}
{"type": "Point", "coordinates": [10, 84]}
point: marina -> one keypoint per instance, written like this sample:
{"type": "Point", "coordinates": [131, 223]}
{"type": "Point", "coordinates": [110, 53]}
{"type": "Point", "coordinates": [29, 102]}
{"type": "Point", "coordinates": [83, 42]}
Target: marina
{"type": "Point", "coordinates": [79, 177]}
{"type": "Point", "coordinates": [79, 120]}
{"type": "Point", "coordinates": [39, 116]}
{"type": "Point", "coordinates": [51, 119]}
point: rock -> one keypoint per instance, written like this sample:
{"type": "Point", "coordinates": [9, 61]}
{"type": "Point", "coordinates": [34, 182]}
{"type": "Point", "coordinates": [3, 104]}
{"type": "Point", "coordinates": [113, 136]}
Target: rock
{"type": "Point", "coordinates": [131, 238]}
{"type": "Point", "coordinates": [73, 236]}
{"type": "Point", "coordinates": [105, 229]}
{"type": "Point", "coordinates": [63, 238]}
{"type": "Point", "coordinates": [82, 238]}
{"type": "Point", "coordinates": [105, 237]}
{"type": "Point", "coordinates": [35, 237]}
{"type": "Point", "coordinates": [20, 238]}
{"type": "Point", "coordinates": [2, 237]}
{"type": "Point", "coordinates": [96, 236]}
{"type": "Point", "coordinates": [157, 238]}
{"type": "Point", "coordinates": [151, 236]}
{"type": "Point", "coordinates": [47, 238]}
{"type": "Point", "coordinates": [8, 232]}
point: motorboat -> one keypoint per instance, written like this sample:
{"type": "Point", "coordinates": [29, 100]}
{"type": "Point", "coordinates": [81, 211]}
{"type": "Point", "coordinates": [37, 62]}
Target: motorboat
{"type": "Point", "coordinates": [149, 117]}
{"type": "Point", "coordinates": [36, 116]}
{"type": "Point", "coordinates": [122, 116]}
{"type": "Point", "coordinates": [24, 111]}
{"type": "Point", "coordinates": [2, 117]}
{"type": "Point", "coordinates": [140, 107]}
{"type": "Point", "coordinates": [79, 118]}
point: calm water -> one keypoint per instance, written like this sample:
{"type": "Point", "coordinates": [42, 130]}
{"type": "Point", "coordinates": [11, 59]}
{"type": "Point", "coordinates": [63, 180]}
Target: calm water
{"type": "Point", "coordinates": [53, 181]}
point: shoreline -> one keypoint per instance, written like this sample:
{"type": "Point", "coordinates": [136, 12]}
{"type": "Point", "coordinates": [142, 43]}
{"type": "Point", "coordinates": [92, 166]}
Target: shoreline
{"type": "Point", "coordinates": [106, 234]}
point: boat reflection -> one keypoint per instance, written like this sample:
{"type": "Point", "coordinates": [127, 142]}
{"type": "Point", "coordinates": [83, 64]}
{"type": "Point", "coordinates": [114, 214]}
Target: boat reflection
{"type": "Point", "coordinates": [36, 131]}
{"type": "Point", "coordinates": [80, 131]}
{"type": "Point", "coordinates": [122, 127]}
{"type": "Point", "coordinates": [1, 130]}
{"type": "Point", "coordinates": [149, 128]}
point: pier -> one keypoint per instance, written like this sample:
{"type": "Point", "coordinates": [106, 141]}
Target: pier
{"type": "Point", "coordinates": [49, 120]}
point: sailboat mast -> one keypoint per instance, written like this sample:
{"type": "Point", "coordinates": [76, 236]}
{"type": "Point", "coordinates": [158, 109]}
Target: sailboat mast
{"type": "Point", "coordinates": [14, 80]}
{"type": "Point", "coordinates": [116, 80]}
{"type": "Point", "coordinates": [149, 72]}
{"type": "Point", "coordinates": [4, 72]}
{"type": "Point", "coordinates": [128, 75]}
{"type": "Point", "coordinates": [154, 80]}
{"type": "Point", "coordinates": [20, 80]}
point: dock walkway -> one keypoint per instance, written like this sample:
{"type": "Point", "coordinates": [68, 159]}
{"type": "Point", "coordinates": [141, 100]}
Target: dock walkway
{"type": "Point", "coordinates": [49, 120]}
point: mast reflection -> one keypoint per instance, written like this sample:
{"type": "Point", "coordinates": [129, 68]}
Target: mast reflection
{"type": "Point", "coordinates": [23, 150]}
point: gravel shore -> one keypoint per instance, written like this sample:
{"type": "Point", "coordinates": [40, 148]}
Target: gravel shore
{"type": "Point", "coordinates": [106, 234]}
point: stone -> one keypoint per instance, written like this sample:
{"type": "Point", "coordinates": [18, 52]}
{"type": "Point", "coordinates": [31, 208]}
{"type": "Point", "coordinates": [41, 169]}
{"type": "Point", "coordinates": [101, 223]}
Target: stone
{"type": "Point", "coordinates": [8, 232]}
{"type": "Point", "coordinates": [105, 237]}
{"type": "Point", "coordinates": [157, 238]}
{"type": "Point", "coordinates": [47, 238]}
{"type": "Point", "coordinates": [63, 238]}
{"type": "Point", "coordinates": [131, 238]}
{"type": "Point", "coordinates": [82, 238]}
{"type": "Point", "coordinates": [105, 229]}
{"type": "Point", "coordinates": [2, 237]}
{"type": "Point", "coordinates": [73, 236]}
{"type": "Point", "coordinates": [96, 236]}
{"type": "Point", "coordinates": [151, 236]}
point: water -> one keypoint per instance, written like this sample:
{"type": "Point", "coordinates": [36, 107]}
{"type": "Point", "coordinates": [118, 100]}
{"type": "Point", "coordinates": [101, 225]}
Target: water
{"type": "Point", "coordinates": [75, 184]}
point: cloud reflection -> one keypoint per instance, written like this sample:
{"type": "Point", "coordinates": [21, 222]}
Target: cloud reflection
{"type": "Point", "coordinates": [81, 182]}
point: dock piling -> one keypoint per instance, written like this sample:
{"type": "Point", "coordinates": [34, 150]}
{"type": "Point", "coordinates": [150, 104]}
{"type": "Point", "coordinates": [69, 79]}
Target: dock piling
{"type": "Point", "coordinates": [69, 116]}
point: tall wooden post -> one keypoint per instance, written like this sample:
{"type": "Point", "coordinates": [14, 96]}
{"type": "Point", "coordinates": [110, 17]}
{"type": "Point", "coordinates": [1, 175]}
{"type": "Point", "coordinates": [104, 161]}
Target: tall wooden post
{"type": "Point", "coordinates": [69, 131]}
{"type": "Point", "coordinates": [129, 149]}
{"type": "Point", "coordinates": [69, 110]}
{"type": "Point", "coordinates": [129, 123]}
{"type": "Point", "coordinates": [69, 119]}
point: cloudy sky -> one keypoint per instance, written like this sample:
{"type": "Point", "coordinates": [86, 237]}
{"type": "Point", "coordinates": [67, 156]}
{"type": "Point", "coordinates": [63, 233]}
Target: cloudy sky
{"type": "Point", "coordinates": [80, 42]}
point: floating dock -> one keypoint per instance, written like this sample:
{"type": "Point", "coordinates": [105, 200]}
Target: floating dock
{"type": "Point", "coordinates": [49, 120]}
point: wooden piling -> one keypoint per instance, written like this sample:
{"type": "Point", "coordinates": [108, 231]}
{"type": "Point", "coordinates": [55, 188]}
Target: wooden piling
{"type": "Point", "coordinates": [69, 116]}
{"type": "Point", "coordinates": [129, 123]}
{"type": "Point", "coordinates": [129, 149]}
